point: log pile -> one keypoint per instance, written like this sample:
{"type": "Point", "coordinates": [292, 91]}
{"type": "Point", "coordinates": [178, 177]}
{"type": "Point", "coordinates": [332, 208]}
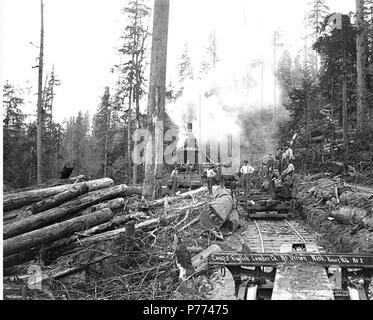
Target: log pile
{"type": "Point", "coordinates": [343, 210]}
{"type": "Point", "coordinates": [54, 213]}
{"type": "Point", "coordinates": [70, 230]}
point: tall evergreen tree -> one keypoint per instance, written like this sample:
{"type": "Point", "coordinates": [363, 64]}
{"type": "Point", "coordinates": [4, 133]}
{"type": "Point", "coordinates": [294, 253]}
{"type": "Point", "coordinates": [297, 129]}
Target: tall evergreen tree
{"type": "Point", "coordinates": [185, 65]}
{"type": "Point", "coordinates": [211, 57]}
{"type": "Point", "coordinates": [39, 114]}
{"type": "Point", "coordinates": [14, 138]}
{"type": "Point", "coordinates": [132, 80]}
{"type": "Point", "coordinates": [319, 10]}
{"type": "Point", "coordinates": [52, 132]}
{"type": "Point", "coordinates": [48, 98]}
{"type": "Point", "coordinates": [285, 71]}
{"type": "Point", "coordinates": [315, 18]}
{"type": "Point", "coordinates": [76, 143]}
{"type": "Point", "coordinates": [338, 73]}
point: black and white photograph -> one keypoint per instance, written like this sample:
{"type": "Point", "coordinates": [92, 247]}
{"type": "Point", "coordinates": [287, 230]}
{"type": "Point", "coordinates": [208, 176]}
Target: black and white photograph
{"type": "Point", "coordinates": [186, 155]}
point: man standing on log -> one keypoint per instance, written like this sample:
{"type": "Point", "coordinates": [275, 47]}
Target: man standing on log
{"type": "Point", "coordinates": [246, 172]}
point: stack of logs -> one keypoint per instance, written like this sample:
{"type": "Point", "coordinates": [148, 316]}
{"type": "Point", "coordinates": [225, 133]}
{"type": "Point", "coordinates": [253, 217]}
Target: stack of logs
{"type": "Point", "coordinates": [58, 220]}
{"type": "Point", "coordinates": [36, 219]}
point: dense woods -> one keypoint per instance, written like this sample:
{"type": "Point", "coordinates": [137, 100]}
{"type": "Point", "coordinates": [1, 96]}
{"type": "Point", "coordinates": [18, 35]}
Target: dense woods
{"type": "Point", "coordinates": [326, 96]}
{"type": "Point", "coordinates": [330, 98]}
{"type": "Point", "coordinates": [173, 181]}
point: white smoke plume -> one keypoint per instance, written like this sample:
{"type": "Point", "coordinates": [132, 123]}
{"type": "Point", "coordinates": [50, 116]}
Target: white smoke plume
{"type": "Point", "coordinates": [225, 103]}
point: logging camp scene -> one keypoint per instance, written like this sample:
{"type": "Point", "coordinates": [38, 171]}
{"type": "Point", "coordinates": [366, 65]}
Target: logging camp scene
{"type": "Point", "coordinates": [187, 150]}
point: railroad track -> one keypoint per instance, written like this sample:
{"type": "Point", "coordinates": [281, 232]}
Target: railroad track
{"type": "Point", "coordinates": [271, 236]}
{"type": "Point", "coordinates": [260, 269]}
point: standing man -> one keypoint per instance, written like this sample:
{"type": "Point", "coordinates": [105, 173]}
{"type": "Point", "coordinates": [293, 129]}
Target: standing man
{"type": "Point", "coordinates": [287, 177]}
{"type": "Point", "coordinates": [210, 178]}
{"type": "Point", "coordinates": [174, 179]}
{"type": "Point", "coordinates": [287, 156]}
{"type": "Point", "coordinates": [279, 156]}
{"type": "Point", "coordinates": [289, 170]}
{"type": "Point", "coordinates": [270, 165]}
{"type": "Point", "coordinates": [246, 172]}
{"type": "Point", "coordinates": [220, 175]}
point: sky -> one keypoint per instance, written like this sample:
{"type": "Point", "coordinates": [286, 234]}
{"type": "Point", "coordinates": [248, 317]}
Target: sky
{"type": "Point", "coordinates": [82, 37]}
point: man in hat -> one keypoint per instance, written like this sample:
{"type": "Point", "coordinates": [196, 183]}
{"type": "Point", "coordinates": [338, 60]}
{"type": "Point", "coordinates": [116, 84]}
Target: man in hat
{"type": "Point", "coordinates": [246, 172]}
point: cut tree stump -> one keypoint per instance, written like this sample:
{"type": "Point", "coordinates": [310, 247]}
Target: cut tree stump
{"type": "Point", "coordinates": [19, 199]}
{"type": "Point", "coordinates": [55, 232]}
{"type": "Point", "coordinates": [66, 210]}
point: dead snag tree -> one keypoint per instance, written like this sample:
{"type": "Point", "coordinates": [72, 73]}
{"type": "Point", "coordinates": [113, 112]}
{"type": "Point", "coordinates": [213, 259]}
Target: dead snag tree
{"type": "Point", "coordinates": [40, 102]}
{"type": "Point", "coordinates": [360, 65]}
{"type": "Point", "coordinates": [156, 101]}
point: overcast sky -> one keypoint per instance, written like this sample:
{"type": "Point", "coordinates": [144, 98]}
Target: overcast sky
{"type": "Point", "coordinates": [81, 37]}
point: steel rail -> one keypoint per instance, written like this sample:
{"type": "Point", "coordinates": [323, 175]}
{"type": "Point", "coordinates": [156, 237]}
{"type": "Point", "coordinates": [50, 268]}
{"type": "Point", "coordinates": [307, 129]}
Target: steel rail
{"type": "Point", "coordinates": [260, 235]}
{"type": "Point", "coordinates": [288, 223]}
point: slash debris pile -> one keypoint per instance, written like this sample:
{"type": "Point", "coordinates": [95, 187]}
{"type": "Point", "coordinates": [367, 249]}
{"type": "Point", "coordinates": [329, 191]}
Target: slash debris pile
{"type": "Point", "coordinates": [94, 240]}
{"type": "Point", "coordinates": [342, 212]}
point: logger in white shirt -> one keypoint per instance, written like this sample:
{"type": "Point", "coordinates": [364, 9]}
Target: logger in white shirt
{"type": "Point", "coordinates": [210, 178]}
{"type": "Point", "coordinates": [246, 172]}
{"type": "Point", "coordinates": [287, 156]}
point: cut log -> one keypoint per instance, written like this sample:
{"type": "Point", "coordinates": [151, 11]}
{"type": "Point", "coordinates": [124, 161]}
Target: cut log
{"type": "Point", "coordinates": [49, 184]}
{"type": "Point", "coordinates": [194, 221]}
{"type": "Point", "coordinates": [109, 235]}
{"type": "Point", "coordinates": [68, 245]}
{"type": "Point", "coordinates": [66, 210]}
{"type": "Point", "coordinates": [118, 220]}
{"type": "Point", "coordinates": [112, 204]}
{"type": "Point", "coordinates": [161, 202]}
{"type": "Point", "coordinates": [57, 273]}
{"type": "Point", "coordinates": [19, 199]}
{"type": "Point", "coordinates": [11, 216]}
{"type": "Point", "coordinates": [54, 232]}
{"type": "Point", "coordinates": [60, 198]}
{"type": "Point", "coordinates": [18, 258]}
{"type": "Point", "coordinates": [349, 215]}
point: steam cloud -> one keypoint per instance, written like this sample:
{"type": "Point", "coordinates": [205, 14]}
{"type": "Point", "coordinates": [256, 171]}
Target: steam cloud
{"type": "Point", "coordinates": [224, 104]}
